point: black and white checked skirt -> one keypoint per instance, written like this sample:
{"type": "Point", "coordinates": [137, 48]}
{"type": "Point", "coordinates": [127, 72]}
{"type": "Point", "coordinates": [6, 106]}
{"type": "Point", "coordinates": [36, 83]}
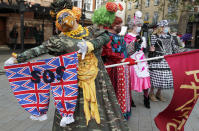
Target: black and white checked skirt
{"type": "Point", "coordinates": [161, 78]}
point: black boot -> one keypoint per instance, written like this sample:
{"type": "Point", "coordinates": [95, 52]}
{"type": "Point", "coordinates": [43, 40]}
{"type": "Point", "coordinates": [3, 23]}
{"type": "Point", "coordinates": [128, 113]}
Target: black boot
{"type": "Point", "coordinates": [133, 104]}
{"type": "Point", "coordinates": [146, 102]}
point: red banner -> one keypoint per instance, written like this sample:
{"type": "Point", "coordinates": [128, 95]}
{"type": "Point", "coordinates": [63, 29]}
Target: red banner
{"type": "Point", "coordinates": [185, 69]}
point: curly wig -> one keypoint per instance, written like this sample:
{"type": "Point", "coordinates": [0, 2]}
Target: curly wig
{"type": "Point", "coordinates": [117, 21]}
{"type": "Point", "coordinates": [103, 17]}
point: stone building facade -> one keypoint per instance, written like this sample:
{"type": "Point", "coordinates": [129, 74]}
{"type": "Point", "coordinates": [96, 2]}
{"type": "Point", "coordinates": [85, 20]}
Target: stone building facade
{"type": "Point", "coordinates": [153, 10]}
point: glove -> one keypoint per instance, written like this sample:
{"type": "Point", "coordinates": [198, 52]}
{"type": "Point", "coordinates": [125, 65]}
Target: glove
{"type": "Point", "coordinates": [131, 61]}
{"type": "Point", "coordinates": [143, 45]}
{"type": "Point", "coordinates": [82, 48]}
{"type": "Point", "coordinates": [10, 61]}
{"type": "Point", "coordinates": [139, 39]}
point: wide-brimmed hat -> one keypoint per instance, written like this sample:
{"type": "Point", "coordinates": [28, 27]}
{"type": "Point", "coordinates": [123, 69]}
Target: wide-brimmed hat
{"type": "Point", "coordinates": [163, 23]}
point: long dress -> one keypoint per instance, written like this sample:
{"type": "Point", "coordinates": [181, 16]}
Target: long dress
{"type": "Point", "coordinates": [161, 75]}
{"type": "Point", "coordinates": [110, 114]}
{"type": "Point", "coordinates": [113, 53]}
{"type": "Point", "coordinates": [139, 73]}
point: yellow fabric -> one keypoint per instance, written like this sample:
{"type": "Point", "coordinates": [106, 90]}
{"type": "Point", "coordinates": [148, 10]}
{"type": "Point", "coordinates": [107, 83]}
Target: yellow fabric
{"type": "Point", "coordinates": [90, 46]}
{"type": "Point", "coordinates": [14, 55]}
{"type": "Point", "coordinates": [74, 33]}
{"type": "Point", "coordinates": [77, 12]}
{"type": "Point", "coordinates": [87, 73]}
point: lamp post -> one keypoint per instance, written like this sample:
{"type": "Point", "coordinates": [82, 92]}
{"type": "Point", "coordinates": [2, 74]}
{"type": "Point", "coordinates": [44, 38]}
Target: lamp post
{"type": "Point", "coordinates": [22, 10]}
{"type": "Point", "coordinates": [83, 13]}
{"type": "Point", "coordinates": [44, 10]}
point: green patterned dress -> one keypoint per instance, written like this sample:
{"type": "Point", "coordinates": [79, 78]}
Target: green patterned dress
{"type": "Point", "coordinates": [110, 114]}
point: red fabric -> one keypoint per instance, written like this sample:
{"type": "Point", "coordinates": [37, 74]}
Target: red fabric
{"type": "Point", "coordinates": [121, 90]}
{"type": "Point", "coordinates": [180, 35]}
{"type": "Point", "coordinates": [112, 57]}
{"type": "Point", "coordinates": [111, 6]}
{"type": "Point", "coordinates": [131, 61]}
{"type": "Point", "coordinates": [116, 75]}
{"type": "Point", "coordinates": [120, 7]}
{"type": "Point", "coordinates": [185, 69]}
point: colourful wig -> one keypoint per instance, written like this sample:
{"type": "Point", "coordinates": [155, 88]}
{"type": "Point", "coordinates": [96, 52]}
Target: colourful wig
{"type": "Point", "coordinates": [103, 17]}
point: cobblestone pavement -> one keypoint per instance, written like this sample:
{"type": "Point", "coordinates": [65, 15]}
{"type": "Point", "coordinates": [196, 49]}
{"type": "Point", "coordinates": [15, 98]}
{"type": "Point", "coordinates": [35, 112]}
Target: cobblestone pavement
{"type": "Point", "coordinates": [14, 118]}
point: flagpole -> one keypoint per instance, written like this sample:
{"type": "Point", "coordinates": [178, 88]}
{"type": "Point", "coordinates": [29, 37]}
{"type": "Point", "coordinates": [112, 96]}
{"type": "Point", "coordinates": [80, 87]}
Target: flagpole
{"type": "Point", "coordinates": [126, 63]}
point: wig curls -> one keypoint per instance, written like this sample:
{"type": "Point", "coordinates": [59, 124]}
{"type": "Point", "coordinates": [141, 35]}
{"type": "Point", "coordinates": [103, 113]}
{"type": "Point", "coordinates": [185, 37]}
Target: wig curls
{"type": "Point", "coordinates": [105, 15]}
{"type": "Point", "coordinates": [117, 21]}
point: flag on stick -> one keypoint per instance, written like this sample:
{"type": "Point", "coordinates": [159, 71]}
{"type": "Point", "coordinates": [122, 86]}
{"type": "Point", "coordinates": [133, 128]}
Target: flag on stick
{"type": "Point", "coordinates": [185, 70]}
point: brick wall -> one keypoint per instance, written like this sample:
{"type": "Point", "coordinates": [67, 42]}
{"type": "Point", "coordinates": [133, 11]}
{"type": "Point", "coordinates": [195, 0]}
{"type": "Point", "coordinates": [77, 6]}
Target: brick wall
{"type": "Point", "coordinates": [13, 19]}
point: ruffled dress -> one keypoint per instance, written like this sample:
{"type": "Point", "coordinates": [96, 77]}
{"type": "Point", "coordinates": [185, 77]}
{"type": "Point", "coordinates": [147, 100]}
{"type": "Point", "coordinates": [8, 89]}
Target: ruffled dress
{"type": "Point", "coordinates": [139, 73]}
{"type": "Point", "coordinates": [113, 53]}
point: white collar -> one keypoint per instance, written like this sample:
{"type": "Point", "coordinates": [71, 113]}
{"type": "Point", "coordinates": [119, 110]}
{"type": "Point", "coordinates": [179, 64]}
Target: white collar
{"type": "Point", "coordinates": [132, 34]}
{"type": "Point", "coordinates": [164, 35]}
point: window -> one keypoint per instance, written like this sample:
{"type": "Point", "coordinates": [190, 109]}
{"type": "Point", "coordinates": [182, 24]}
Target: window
{"type": "Point", "coordinates": [129, 6]}
{"type": "Point", "coordinates": [136, 4]}
{"type": "Point", "coordinates": [146, 17]}
{"type": "Point", "coordinates": [128, 18]}
{"type": "Point", "coordinates": [147, 3]}
{"type": "Point", "coordinates": [171, 9]}
{"type": "Point", "coordinates": [77, 3]}
{"type": "Point", "coordinates": [88, 5]}
{"type": "Point", "coordinates": [155, 18]}
{"type": "Point", "coordinates": [156, 2]}
{"type": "Point", "coordinates": [172, 15]}
{"type": "Point", "coordinates": [98, 3]}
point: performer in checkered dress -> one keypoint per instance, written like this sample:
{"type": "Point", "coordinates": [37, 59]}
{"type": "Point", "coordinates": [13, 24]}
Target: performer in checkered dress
{"type": "Point", "coordinates": [161, 44]}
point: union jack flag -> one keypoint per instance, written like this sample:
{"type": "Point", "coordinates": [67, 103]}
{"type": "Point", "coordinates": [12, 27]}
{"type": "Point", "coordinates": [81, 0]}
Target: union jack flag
{"type": "Point", "coordinates": [58, 74]}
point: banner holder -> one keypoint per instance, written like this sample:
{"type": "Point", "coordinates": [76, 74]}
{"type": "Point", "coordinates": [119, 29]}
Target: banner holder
{"type": "Point", "coordinates": [126, 63]}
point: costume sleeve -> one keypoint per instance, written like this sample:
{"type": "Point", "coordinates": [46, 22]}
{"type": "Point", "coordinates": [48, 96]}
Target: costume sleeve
{"type": "Point", "coordinates": [130, 49]}
{"type": "Point", "coordinates": [181, 43]}
{"type": "Point", "coordinates": [100, 40]}
{"type": "Point", "coordinates": [31, 53]}
{"type": "Point", "coordinates": [127, 39]}
{"type": "Point", "coordinates": [153, 39]}
{"type": "Point", "coordinates": [177, 49]}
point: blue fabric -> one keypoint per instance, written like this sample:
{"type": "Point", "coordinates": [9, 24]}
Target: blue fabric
{"type": "Point", "coordinates": [34, 96]}
{"type": "Point", "coordinates": [118, 44]}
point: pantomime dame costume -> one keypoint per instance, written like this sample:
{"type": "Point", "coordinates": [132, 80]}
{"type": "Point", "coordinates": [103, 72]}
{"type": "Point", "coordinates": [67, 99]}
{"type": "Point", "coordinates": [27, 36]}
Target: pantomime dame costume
{"type": "Point", "coordinates": [162, 43]}
{"type": "Point", "coordinates": [114, 52]}
{"type": "Point", "coordinates": [139, 73]}
{"type": "Point", "coordinates": [97, 107]}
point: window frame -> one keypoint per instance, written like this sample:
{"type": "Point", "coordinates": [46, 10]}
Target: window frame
{"type": "Point", "coordinates": [156, 2]}
{"type": "Point", "coordinates": [147, 3]}
{"type": "Point", "coordinates": [155, 14]}
{"type": "Point", "coordinates": [91, 5]}
{"type": "Point", "coordinates": [146, 15]}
